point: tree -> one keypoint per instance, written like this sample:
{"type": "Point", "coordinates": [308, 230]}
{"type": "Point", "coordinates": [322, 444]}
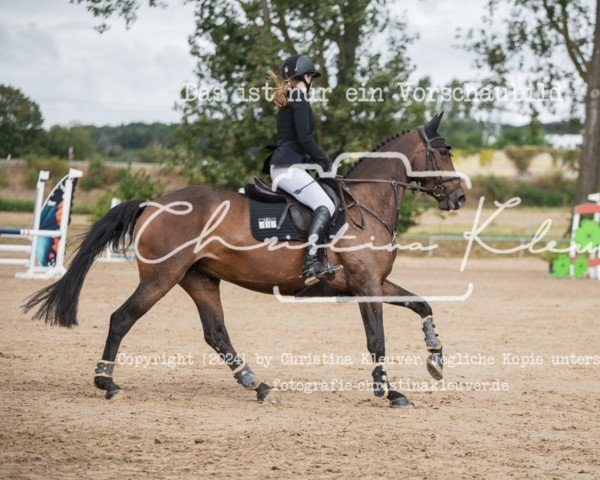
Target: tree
{"type": "Point", "coordinates": [61, 139]}
{"type": "Point", "coordinates": [357, 44]}
{"type": "Point", "coordinates": [20, 122]}
{"type": "Point", "coordinates": [534, 35]}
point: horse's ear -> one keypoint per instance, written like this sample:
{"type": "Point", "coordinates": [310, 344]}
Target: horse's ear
{"type": "Point", "coordinates": [434, 123]}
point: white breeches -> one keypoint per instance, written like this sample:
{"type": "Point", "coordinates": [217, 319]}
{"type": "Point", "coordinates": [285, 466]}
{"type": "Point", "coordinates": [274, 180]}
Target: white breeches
{"type": "Point", "coordinates": [304, 188]}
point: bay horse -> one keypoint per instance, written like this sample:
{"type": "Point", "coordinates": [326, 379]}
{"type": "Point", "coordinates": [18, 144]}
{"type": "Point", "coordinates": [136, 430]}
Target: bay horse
{"type": "Point", "coordinates": [372, 191]}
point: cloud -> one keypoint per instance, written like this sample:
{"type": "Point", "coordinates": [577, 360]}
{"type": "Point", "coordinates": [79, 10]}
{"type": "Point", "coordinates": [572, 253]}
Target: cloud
{"type": "Point", "coordinates": [77, 75]}
{"type": "Point", "coordinates": [25, 43]}
{"type": "Point", "coordinates": [51, 51]}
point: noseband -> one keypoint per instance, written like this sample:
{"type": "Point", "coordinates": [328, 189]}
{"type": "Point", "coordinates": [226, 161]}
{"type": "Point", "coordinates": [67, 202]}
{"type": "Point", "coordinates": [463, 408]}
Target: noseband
{"type": "Point", "coordinates": [439, 191]}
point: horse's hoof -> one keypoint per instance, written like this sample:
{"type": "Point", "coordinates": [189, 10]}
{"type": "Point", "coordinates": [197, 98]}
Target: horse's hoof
{"type": "Point", "coordinates": [271, 399]}
{"type": "Point", "coordinates": [107, 384]}
{"type": "Point", "coordinates": [397, 400]}
{"type": "Point", "coordinates": [113, 393]}
{"type": "Point", "coordinates": [435, 365]}
{"type": "Point", "coordinates": [264, 394]}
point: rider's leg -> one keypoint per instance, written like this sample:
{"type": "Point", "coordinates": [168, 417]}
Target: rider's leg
{"type": "Point", "coordinates": [305, 189]}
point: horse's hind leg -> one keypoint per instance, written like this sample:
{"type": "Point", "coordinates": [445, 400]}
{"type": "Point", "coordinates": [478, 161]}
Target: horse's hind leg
{"type": "Point", "coordinates": [435, 361]}
{"type": "Point", "coordinates": [121, 321]}
{"type": "Point", "coordinates": [204, 290]}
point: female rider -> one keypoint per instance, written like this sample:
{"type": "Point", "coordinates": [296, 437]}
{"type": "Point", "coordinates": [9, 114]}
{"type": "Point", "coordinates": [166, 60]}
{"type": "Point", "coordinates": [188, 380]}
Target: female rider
{"type": "Point", "coordinates": [295, 146]}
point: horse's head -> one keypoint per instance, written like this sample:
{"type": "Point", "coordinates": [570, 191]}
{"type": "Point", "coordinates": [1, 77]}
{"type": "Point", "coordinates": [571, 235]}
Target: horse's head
{"type": "Point", "coordinates": [433, 155]}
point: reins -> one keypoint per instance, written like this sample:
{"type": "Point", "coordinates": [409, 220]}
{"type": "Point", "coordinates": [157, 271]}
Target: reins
{"type": "Point", "coordinates": [341, 181]}
{"type": "Point", "coordinates": [438, 191]}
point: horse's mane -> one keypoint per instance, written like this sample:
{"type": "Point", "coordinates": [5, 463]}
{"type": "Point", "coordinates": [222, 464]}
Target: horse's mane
{"type": "Point", "coordinates": [376, 148]}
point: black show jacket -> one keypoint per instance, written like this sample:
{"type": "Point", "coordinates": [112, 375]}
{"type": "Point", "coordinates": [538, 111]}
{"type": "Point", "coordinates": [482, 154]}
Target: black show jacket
{"type": "Point", "coordinates": [295, 129]}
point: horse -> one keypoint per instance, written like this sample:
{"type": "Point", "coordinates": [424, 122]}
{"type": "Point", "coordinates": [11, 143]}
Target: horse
{"type": "Point", "coordinates": [166, 243]}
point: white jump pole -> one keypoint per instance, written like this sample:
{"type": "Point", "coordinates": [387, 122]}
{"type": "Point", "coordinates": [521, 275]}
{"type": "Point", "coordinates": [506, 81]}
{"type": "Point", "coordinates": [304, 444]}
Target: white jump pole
{"type": "Point", "coordinates": [37, 214]}
{"type": "Point", "coordinates": [43, 176]}
{"type": "Point", "coordinates": [33, 234]}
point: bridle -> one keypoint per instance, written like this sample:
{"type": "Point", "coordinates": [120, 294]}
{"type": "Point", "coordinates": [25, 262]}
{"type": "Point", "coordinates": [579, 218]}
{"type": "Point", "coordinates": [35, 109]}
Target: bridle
{"type": "Point", "coordinates": [439, 190]}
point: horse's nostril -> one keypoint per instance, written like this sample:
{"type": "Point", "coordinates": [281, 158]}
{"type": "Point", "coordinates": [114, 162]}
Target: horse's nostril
{"type": "Point", "coordinates": [462, 199]}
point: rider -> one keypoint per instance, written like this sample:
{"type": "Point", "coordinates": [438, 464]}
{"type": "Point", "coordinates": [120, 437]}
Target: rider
{"type": "Point", "coordinates": [295, 142]}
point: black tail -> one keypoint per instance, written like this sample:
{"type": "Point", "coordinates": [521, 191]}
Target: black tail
{"type": "Point", "coordinates": [57, 303]}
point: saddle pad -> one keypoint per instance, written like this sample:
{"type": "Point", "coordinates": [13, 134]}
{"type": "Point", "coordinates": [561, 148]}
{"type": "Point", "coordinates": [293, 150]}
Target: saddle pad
{"type": "Point", "coordinates": [264, 218]}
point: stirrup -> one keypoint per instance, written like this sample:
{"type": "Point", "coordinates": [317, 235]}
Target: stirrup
{"type": "Point", "coordinates": [329, 271]}
{"type": "Point", "coordinates": [318, 271]}
{"type": "Point", "coordinates": [309, 275]}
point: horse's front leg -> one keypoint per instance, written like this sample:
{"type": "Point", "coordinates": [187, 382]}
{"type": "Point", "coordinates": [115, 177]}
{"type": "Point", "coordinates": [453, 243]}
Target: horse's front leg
{"type": "Point", "coordinates": [435, 361]}
{"type": "Point", "coordinates": [372, 316]}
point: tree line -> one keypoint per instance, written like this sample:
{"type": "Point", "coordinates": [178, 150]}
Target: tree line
{"type": "Point", "coordinates": [22, 134]}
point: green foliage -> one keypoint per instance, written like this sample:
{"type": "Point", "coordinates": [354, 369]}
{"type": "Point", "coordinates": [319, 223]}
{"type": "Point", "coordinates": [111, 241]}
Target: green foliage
{"type": "Point", "coordinates": [98, 175]}
{"type": "Point", "coordinates": [566, 157]}
{"type": "Point", "coordinates": [550, 190]}
{"type": "Point", "coordinates": [215, 136]}
{"type": "Point", "coordinates": [125, 8]}
{"type": "Point", "coordinates": [527, 40]}
{"type": "Point", "coordinates": [492, 188]}
{"type": "Point", "coordinates": [130, 186]}
{"type": "Point", "coordinates": [57, 167]}
{"type": "Point", "coordinates": [463, 133]}
{"type": "Point", "coordinates": [20, 122]}
{"type": "Point", "coordinates": [552, 42]}
{"type": "Point", "coordinates": [522, 136]}
{"type": "Point", "coordinates": [102, 206]}
{"type": "Point", "coordinates": [522, 156]}
{"type": "Point", "coordinates": [153, 153]}
{"type": "Point", "coordinates": [16, 205]}
{"type": "Point", "coordinates": [113, 141]}
{"type": "Point", "coordinates": [60, 139]}
{"type": "Point", "coordinates": [533, 195]}
{"type": "Point", "coordinates": [137, 185]}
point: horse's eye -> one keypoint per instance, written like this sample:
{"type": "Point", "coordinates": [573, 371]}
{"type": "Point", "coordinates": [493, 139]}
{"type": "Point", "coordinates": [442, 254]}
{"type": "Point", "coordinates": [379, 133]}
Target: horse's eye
{"type": "Point", "coordinates": [444, 151]}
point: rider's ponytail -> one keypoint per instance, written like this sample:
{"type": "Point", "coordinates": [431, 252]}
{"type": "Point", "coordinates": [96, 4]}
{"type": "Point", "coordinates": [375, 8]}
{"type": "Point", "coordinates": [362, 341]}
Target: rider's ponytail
{"type": "Point", "coordinates": [281, 88]}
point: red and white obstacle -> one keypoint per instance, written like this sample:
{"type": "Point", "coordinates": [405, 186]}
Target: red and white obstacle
{"type": "Point", "coordinates": [593, 259]}
{"type": "Point", "coordinates": [48, 235]}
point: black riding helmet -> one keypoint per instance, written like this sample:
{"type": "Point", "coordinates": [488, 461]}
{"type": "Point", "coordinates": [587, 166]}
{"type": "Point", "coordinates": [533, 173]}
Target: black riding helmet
{"type": "Point", "coordinates": [297, 66]}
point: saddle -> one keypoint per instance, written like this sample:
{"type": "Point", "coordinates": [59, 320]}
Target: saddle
{"type": "Point", "coordinates": [278, 214]}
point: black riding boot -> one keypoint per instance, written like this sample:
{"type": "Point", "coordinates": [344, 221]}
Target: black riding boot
{"type": "Point", "coordinates": [312, 269]}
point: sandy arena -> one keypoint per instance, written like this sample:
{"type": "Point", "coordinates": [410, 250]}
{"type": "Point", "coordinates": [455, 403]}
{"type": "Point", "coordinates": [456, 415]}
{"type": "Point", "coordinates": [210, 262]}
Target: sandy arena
{"type": "Point", "coordinates": [182, 416]}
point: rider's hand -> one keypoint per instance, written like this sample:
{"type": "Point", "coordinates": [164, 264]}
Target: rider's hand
{"type": "Point", "coordinates": [325, 162]}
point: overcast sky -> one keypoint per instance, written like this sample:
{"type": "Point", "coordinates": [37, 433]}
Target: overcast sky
{"type": "Point", "coordinates": [50, 50]}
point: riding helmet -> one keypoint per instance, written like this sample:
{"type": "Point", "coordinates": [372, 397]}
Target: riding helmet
{"type": "Point", "coordinates": [297, 66]}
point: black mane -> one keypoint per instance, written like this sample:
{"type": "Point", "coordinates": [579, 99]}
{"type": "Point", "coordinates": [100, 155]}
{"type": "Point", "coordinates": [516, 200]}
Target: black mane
{"type": "Point", "coordinates": [376, 148]}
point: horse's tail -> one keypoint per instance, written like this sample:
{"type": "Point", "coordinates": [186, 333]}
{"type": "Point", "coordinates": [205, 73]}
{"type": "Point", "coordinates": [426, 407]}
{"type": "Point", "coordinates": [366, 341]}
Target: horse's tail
{"type": "Point", "coordinates": [57, 303]}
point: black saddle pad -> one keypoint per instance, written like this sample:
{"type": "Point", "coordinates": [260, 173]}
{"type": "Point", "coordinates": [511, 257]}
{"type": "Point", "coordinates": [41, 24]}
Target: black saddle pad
{"type": "Point", "coordinates": [264, 218]}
